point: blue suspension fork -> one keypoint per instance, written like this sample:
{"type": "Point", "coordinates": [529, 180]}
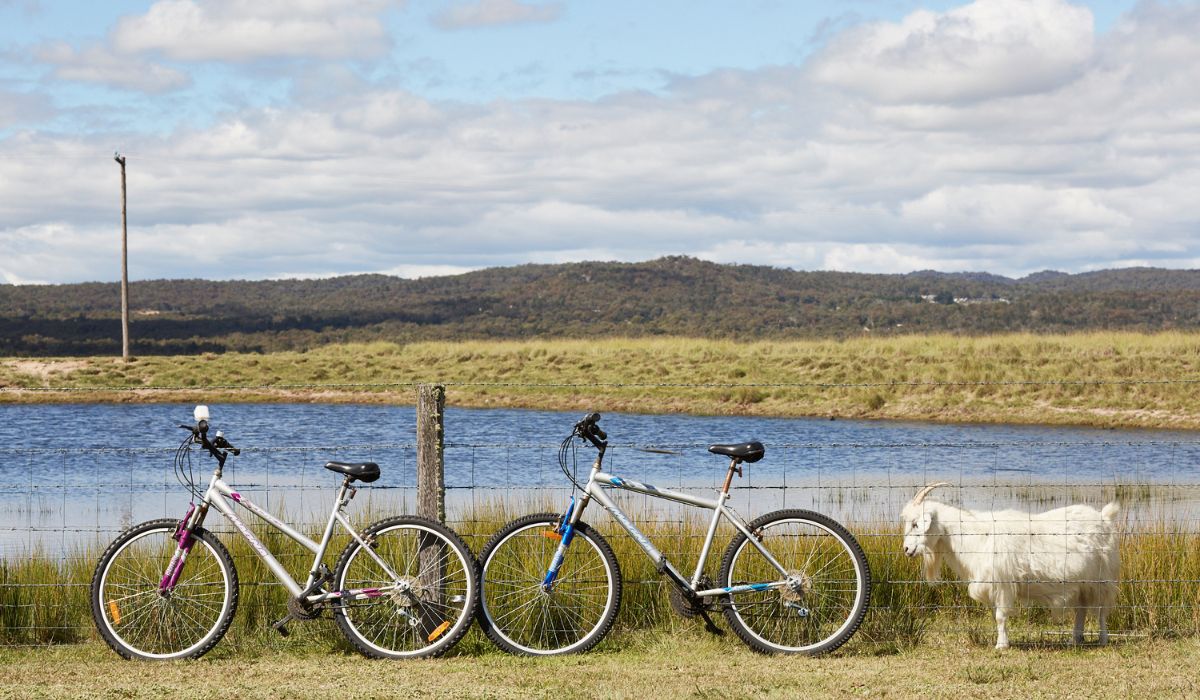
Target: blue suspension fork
{"type": "Point", "coordinates": [566, 532]}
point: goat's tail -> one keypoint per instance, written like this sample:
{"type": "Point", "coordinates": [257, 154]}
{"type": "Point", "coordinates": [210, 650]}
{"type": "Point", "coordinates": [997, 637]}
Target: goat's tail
{"type": "Point", "coordinates": [1109, 512]}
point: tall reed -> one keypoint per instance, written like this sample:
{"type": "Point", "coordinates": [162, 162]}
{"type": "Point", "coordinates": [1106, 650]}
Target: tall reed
{"type": "Point", "coordinates": [44, 597]}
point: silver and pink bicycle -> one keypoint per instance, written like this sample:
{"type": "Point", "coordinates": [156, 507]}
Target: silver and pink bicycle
{"type": "Point", "coordinates": [404, 587]}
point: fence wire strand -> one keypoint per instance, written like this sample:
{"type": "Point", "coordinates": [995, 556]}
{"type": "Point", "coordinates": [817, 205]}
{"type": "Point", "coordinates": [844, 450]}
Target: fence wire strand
{"type": "Point", "coordinates": [60, 506]}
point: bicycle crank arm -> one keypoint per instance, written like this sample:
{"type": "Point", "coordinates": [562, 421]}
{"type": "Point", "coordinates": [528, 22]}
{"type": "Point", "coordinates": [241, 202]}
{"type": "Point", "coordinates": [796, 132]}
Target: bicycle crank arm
{"type": "Point", "coordinates": [281, 626]}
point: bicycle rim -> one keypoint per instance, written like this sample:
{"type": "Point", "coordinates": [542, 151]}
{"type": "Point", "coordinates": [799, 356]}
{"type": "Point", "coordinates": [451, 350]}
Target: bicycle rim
{"type": "Point", "coordinates": [427, 620]}
{"type": "Point", "coordinates": [817, 615]}
{"type": "Point", "coordinates": [148, 623]}
{"type": "Point", "coordinates": [573, 616]}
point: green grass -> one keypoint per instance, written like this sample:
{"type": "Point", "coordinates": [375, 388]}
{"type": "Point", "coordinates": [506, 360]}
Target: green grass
{"type": "Point", "coordinates": [940, 377]}
{"type": "Point", "coordinates": [43, 598]}
{"type": "Point", "coordinates": [685, 663]}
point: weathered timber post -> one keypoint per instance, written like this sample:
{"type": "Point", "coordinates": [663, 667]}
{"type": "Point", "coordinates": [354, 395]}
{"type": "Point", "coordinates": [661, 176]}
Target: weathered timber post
{"type": "Point", "coordinates": [431, 476]}
{"type": "Point", "coordinates": [431, 497]}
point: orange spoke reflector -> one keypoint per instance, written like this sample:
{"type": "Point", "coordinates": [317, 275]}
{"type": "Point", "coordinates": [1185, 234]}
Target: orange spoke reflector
{"type": "Point", "coordinates": [441, 629]}
{"type": "Point", "coordinates": [116, 613]}
{"type": "Point", "coordinates": [551, 534]}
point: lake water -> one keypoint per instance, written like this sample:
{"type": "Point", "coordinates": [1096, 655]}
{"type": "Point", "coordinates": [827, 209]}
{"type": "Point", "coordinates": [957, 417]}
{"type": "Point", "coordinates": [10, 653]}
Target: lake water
{"type": "Point", "coordinates": [72, 474]}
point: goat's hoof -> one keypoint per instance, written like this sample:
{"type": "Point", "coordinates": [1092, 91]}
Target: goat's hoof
{"type": "Point", "coordinates": [1001, 647]}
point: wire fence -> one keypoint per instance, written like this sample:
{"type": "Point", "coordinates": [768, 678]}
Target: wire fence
{"type": "Point", "coordinates": [60, 506]}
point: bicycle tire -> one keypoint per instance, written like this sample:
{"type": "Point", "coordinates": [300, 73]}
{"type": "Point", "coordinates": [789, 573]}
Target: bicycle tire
{"type": "Point", "coordinates": [832, 592]}
{"type": "Point", "coordinates": [514, 563]}
{"type": "Point", "coordinates": [433, 616]}
{"type": "Point", "coordinates": [168, 626]}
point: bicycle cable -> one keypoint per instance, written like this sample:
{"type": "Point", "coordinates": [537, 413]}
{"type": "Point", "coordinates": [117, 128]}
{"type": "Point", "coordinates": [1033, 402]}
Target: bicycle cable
{"type": "Point", "coordinates": [572, 473]}
{"type": "Point", "coordinates": [184, 471]}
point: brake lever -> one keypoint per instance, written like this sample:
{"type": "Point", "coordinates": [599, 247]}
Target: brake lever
{"type": "Point", "coordinates": [222, 444]}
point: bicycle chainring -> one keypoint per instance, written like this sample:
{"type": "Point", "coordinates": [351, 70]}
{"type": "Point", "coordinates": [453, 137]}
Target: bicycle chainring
{"type": "Point", "coordinates": [300, 611]}
{"type": "Point", "coordinates": [689, 606]}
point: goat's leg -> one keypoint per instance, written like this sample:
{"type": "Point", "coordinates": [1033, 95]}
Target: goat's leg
{"type": "Point", "coordinates": [1102, 618]}
{"type": "Point", "coordinates": [1001, 627]}
{"type": "Point", "coordinates": [1080, 614]}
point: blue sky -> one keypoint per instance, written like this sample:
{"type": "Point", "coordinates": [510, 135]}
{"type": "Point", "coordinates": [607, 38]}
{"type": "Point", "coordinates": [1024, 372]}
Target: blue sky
{"type": "Point", "coordinates": [322, 137]}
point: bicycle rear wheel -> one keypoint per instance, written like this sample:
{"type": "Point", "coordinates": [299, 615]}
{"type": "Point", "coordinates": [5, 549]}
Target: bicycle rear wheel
{"type": "Point", "coordinates": [520, 615]}
{"type": "Point", "coordinates": [436, 603]}
{"type": "Point", "coordinates": [829, 584]}
{"type": "Point", "coordinates": [140, 620]}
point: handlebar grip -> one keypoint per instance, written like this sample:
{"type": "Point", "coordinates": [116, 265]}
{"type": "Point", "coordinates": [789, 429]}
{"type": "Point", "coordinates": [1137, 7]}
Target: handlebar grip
{"type": "Point", "coordinates": [591, 420]}
{"type": "Point", "coordinates": [222, 444]}
{"type": "Point", "coordinates": [588, 429]}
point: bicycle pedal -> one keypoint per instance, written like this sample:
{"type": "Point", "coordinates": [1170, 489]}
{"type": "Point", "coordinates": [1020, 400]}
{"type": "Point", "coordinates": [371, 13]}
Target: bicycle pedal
{"type": "Point", "coordinates": [281, 626]}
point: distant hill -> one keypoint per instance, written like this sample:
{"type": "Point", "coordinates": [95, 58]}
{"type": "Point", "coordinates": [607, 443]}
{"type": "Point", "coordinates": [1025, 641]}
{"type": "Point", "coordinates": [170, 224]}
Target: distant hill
{"type": "Point", "coordinates": [668, 296]}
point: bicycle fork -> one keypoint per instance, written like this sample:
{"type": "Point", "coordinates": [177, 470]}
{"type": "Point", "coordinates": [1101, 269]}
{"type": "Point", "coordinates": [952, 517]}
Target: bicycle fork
{"type": "Point", "coordinates": [565, 532]}
{"type": "Point", "coordinates": [184, 539]}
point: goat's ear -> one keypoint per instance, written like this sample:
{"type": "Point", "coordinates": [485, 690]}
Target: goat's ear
{"type": "Point", "coordinates": [926, 520]}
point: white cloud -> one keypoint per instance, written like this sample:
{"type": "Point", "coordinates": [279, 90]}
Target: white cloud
{"type": "Point", "coordinates": [1018, 211]}
{"type": "Point", "coordinates": [889, 258]}
{"type": "Point", "coordinates": [229, 30]}
{"type": "Point", "coordinates": [416, 272]}
{"type": "Point", "coordinates": [774, 166]}
{"type": "Point", "coordinates": [98, 64]}
{"type": "Point", "coordinates": [987, 49]}
{"type": "Point", "coordinates": [23, 107]}
{"type": "Point", "coordinates": [492, 13]}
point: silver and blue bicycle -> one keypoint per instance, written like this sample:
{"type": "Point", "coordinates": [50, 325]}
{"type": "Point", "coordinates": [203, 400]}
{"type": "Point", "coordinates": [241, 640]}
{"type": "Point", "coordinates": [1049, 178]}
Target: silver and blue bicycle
{"type": "Point", "coordinates": [791, 581]}
{"type": "Point", "coordinates": [167, 589]}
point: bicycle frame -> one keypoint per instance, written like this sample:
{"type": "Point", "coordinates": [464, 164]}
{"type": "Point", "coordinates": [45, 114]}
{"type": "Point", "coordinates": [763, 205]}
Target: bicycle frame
{"type": "Point", "coordinates": [222, 496]}
{"type": "Point", "coordinates": [599, 481]}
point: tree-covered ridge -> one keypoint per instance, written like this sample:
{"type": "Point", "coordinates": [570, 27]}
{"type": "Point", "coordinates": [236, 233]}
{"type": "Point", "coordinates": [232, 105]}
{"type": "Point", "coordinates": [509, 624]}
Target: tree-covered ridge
{"type": "Point", "coordinates": [668, 296]}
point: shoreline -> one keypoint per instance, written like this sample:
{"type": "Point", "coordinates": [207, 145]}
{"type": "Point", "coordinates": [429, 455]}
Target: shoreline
{"type": "Point", "coordinates": [1099, 380]}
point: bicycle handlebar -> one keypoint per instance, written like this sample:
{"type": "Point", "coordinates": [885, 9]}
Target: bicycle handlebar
{"type": "Point", "coordinates": [591, 432]}
{"type": "Point", "coordinates": [214, 446]}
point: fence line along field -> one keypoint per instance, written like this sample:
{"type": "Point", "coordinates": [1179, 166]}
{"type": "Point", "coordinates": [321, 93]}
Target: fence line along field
{"type": "Point", "coordinates": [44, 594]}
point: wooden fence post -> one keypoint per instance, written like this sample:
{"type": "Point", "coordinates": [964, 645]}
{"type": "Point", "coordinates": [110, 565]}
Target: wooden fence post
{"type": "Point", "coordinates": [431, 499]}
{"type": "Point", "coordinates": [431, 476]}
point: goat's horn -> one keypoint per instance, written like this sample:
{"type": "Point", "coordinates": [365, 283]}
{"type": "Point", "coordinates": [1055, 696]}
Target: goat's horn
{"type": "Point", "coordinates": [920, 497]}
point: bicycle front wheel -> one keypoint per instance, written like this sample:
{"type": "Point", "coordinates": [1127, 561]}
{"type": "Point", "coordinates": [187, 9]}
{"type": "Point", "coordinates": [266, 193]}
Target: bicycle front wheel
{"type": "Point", "coordinates": [417, 583]}
{"type": "Point", "coordinates": [827, 591]}
{"type": "Point", "coordinates": [140, 619]}
{"type": "Point", "coordinates": [521, 615]}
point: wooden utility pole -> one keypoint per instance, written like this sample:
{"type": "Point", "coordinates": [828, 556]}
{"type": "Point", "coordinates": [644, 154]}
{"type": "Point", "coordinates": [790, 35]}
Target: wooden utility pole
{"type": "Point", "coordinates": [124, 264]}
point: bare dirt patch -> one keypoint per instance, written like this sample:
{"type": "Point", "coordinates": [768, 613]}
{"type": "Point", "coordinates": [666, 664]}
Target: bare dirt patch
{"type": "Point", "coordinates": [45, 369]}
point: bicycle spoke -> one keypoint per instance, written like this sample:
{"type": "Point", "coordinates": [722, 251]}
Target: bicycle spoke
{"type": "Point", "coordinates": [137, 618]}
{"type": "Point", "coordinates": [819, 603]}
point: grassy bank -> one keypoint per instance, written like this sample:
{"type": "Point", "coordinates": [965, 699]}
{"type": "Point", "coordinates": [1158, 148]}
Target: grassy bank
{"type": "Point", "coordinates": [645, 665]}
{"type": "Point", "coordinates": [1104, 379]}
{"type": "Point", "coordinates": [43, 598]}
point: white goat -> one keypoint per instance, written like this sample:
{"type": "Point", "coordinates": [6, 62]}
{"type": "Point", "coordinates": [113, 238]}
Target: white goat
{"type": "Point", "coordinates": [1063, 558]}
